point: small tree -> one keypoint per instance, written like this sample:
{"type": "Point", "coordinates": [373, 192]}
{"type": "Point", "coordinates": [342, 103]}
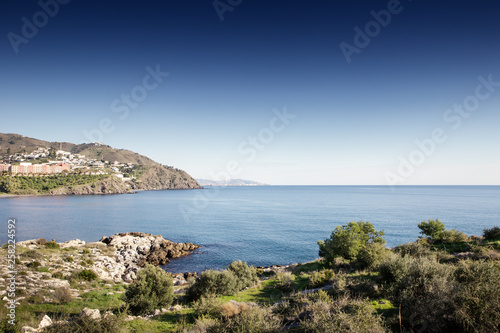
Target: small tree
{"type": "Point", "coordinates": [212, 282]}
{"type": "Point", "coordinates": [348, 240]}
{"type": "Point", "coordinates": [491, 233]}
{"type": "Point", "coordinates": [246, 276]}
{"type": "Point", "coordinates": [432, 229]}
{"type": "Point", "coordinates": [153, 289]}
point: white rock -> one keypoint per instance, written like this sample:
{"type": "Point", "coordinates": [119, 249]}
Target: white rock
{"type": "Point", "coordinates": [176, 307]}
{"type": "Point", "coordinates": [28, 329]}
{"type": "Point", "coordinates": [91, 313]}
{"type": "Point", "coordinates": [46, 321]}
{"type": "Point", "coordinates": [74, 243]}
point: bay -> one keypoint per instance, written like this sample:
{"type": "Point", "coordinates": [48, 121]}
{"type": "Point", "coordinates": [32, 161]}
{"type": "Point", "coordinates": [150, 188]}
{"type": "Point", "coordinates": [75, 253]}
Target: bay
{"type": "Point", "coordinates": [261, 225]}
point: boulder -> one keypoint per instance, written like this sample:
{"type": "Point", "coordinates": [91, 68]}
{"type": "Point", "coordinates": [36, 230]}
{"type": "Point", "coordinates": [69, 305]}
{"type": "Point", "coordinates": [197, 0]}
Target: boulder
{"type": "Point", "coordinates": [46, 321]}
{"type": "Point", "coordinates": [73, 243]}
{"type": "Point", "coordinates": [91, 313]}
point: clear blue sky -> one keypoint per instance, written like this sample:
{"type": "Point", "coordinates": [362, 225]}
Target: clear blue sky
{"type": "Point", "coordinates": [354, 121]}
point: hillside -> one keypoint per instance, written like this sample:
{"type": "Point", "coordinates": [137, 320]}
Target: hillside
{"type": "Point", "coordinates": [19, 143]}
{"type": "Point", "coordinates": [145, 174]}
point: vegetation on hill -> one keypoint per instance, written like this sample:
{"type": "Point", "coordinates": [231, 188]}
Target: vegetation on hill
{"type": "Point", "coordinates": [425, 286]}
{"type": "Point", "coordinates": [43, 185]}
{"type": "Point", "coordinates": [146, 173]}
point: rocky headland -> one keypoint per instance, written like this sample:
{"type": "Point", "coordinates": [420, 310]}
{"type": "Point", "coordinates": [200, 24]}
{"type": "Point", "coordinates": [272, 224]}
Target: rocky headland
{"type": "Point", "coordinates": [116, 258]}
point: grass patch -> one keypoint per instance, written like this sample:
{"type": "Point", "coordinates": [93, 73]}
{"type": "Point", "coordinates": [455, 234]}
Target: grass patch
{"type": "Point", "coordinates": [167, 322]}
{"type": "Point", "coordinates": [264, 293]}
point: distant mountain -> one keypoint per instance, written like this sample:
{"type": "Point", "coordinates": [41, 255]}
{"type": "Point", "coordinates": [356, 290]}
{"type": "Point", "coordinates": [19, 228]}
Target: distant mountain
{"type": "Point", "coordinates": [231, 182]}
{"type": "Point", "coordinates": [149, 175]}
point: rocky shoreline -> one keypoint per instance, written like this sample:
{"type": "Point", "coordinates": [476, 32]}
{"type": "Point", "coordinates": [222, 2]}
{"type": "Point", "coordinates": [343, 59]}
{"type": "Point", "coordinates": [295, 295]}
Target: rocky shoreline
{"type": "Point", "coordinates": [118, 257]}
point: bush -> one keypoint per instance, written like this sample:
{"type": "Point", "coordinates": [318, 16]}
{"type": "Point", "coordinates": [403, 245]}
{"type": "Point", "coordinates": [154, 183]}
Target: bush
{"type": "Point", "coordinates": [85, 324]}
{"type": "Point", "coordinates": [393, 268]}
{"type": "Point", "coordinates": [478, 297]}
{"type": "Point", "coordinates": [52, 245]}
{"type": "Point", "coordinates": [57, 275]}
{"type": "Point", "coordinates": [253, 319]}
{"type": "Point", "coordinates": [87, 262]}
{"type": "Point", "coordinates": [153, 289]}
{"type": "Point", "coordinates": [413, 249]}
{"type": "Point", "coordinates": [432, 228]}
{"type": "Point", "coordinates": [212, 282]}
{"type": "Point", "coordinates": [246, 276]}
{"type": "Point", "coordinates": [320, 313]}
{"type": "Point", "coordinates": [320, 278]}
{"type": "Point", "coordinates": [348, 240]}
{"type": "Point", "coordinates": [426, 294]}
{"type": "Point", "coordinates": [32, 254]}
{"type": "Point", "coordinates": [87, 275]}
{"type": "Point", "coordinates": [34, 264]}
{"type": "Point", "coordinates": [452, 236]}
{"type": "Point", "coordinates": [371, 255]}
{"type": "Point", "coordinates": [285, 281]}
{"type": "Point", "coordinates": [492, 233]}
{"type": "Point", "coordinates": [62, 295]}
{"type": "Point", "coordinates": [208, 306]}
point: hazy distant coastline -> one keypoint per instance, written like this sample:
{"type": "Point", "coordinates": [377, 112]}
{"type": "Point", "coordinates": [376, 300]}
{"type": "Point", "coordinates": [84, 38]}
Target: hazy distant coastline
{"type": "Point", "coordinates": [231, 182]}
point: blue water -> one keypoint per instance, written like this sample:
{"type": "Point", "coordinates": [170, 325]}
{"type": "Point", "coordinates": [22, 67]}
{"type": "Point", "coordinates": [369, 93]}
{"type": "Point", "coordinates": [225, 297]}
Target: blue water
{"type": "Point", "coordinates": [260, 225]}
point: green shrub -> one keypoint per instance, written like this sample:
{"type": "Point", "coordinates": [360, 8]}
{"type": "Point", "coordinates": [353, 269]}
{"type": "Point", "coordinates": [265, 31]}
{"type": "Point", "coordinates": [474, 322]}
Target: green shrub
{"type": "Point", "coordinates": [371, 255]}
{"type": "Point", "coordinates": [478, 297]}
{"type": "Point", "coordinates": [432, 228]}
{"type": "Point", "coordinates": [320, 313]}
{"type": "Point", "coordinates": [285, 281]}
{"type": "Point", "coordinates": [32, 254]}
{"type": "Point", "coordinates": [87, 275]}
{"type": "Point", "coordinates": [211, 282]}
{"type": "Point", "coordinates": [57, 275]}
{"type": "Point", "coordinates": [86, 262]}
{"type": "Point", "coordinates": [153, 289]}
{"type": "Point", "coordinates": [393, 268]}
{"type": "Point", "coordinates": [253, 319]}
{"type": "Point", "coordinates": [69, 259]}
{"type": "Point", "coordinates": [52, 245]}
{"type": "Point", "coordinates": [34, 264]}
{"type": "Point", "coordinates": [320, 278]}
{"type": "Point", "coordinates": [413, 249]}
{"type": "Point", "coordinates": [245, 276]}
{"type": "Point", "coordinates": [208, 306]}
{"type": "Point", "coordinates": [85, 251]}
{"type": "Point", "coordinates": [348, 240]}
{"type": "Point", "coordinates": [37, 298]}
{"type": "Point", "coordinates": [452, 236]}
{"type": "Point", "coordinates": [426, 294]}
{"type": "Point", "coordinates": [85, 324]}
{"type": "Point", "coordinates": [491, 233]}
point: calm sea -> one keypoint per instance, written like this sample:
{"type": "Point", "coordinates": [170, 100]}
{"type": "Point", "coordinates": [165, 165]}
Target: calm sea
{"type": "Point", "coordinates": [260, 225]}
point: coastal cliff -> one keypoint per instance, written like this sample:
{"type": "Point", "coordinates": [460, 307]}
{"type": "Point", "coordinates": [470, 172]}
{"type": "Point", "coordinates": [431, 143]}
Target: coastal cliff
{"type": "Point", "coordinates": [111, 185]}
{"type": "Point", "coordinates": [94, 168]}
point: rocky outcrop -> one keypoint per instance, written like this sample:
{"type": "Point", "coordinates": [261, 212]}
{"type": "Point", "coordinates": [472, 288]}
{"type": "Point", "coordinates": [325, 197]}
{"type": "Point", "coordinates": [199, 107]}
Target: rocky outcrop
{"type": "Point", "coordinates": [111, 185]}
{"type": "Point", "coordinates": [159, 177]}
{"type": "Point", "coordinates": [135, 249]}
